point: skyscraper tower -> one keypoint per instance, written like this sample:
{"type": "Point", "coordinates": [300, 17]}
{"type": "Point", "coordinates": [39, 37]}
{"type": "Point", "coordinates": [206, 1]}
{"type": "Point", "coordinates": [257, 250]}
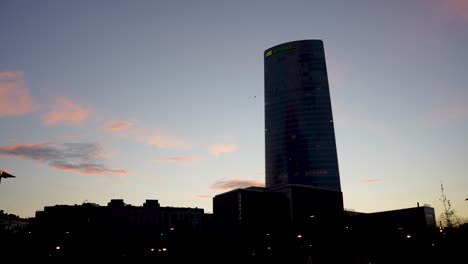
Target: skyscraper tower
{"type": "Point", "coordinates": [300, 142]}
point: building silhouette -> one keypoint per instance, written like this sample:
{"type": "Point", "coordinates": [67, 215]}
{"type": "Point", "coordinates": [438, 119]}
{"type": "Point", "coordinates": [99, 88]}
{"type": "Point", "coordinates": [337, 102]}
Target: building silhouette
{"type": "Point", "coordinates": [119, 229]}
{"type": "Point", "coordinates": [289, 223]}
{"type": "Point", "coordinates": [300, 143]}
{"type": "Point", "coordinates": [407, 235]}
{"type": "Point", "coordinates": [300, 210]}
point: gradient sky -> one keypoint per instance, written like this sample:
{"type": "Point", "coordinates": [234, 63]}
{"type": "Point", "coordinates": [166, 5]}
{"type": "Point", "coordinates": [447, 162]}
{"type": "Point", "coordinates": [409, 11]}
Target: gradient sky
{"type": "Point", "coordinates": [163, 100]}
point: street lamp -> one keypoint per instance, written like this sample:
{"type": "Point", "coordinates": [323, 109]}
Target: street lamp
{"type": "Point", "coordinates": [4, 174]}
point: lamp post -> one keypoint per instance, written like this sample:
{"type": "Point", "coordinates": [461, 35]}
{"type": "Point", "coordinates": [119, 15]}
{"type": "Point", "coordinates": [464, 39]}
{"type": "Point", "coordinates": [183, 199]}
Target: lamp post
{"type": "Point", "coordinates": [4, 174]}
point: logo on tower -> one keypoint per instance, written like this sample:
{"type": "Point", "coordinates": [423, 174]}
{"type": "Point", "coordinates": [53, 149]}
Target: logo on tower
{"type": "Point", "coordinates": [280, 49]}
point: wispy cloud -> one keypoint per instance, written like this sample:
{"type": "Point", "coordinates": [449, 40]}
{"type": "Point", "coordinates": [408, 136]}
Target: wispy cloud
{"type": "Point", "coordinates": [203, 196]}
{"type": "Point", "coordinates": [260, 174]}
{"type": "Point", "coordinates": [117, 125]}
{"type": "Point", "coordinates": [66, 111]}
{"type": "Point", "coordinates": [218, 149]}
{"type": "Point", "coordinates": [83, 158]}
{"type": "Point", "coordinates": [234, 184]}
{"type": "Point", "coordinates": [184, 159]}
{"type": "Point", "coordinates": [456, 112]}
{"type": "Point", "coordinates": [152, 137]}
{"type": "Point", "coordinates": [367, 181]}
{"type": "Point", "coordinates": [165, 141]}
{"type": "Point", "coordinates": [457, 9]}
{"type": "Point", "coordinates": [14, 95]}
{"type": "Point", "coordinates": [11, 75]}
{"type": "Point", "coordinates": [123, 183]}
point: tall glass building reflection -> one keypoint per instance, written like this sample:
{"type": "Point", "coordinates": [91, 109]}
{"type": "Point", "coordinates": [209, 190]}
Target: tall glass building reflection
{"type": "Point", "coordinates": [299, 132]}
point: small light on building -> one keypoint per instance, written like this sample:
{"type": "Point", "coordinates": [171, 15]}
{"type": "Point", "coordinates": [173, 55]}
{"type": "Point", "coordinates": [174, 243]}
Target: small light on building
{"type": "Point", "coordinates": [172, 228]}
{"type": "Point", "coordinates": [162, 234]}
{"type": "Point", "coordinates": [408, 236]}
{"type": "Point", "coordinates": [312, 216]}
{"type": "Point", "coordinates": [164, 249]}
{"type": "Point", "coordinates": [152, 249]}
{"type": "Point", "coordinates": [299, 236]}
{"type": "Point", "coordinates": [57, 247]}
{"type": "Point", "coordinates": [67, 232]}
{"type": "Point", "coordinates": [269, 248]}
{"type": "Point", "coordinates": [268, 234]}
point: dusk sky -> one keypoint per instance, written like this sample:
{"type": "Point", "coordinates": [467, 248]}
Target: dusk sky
{"type": "Point", "coordinates": [164, 100]}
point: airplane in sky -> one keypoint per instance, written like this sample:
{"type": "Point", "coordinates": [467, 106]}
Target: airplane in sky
{"type": "Point", "coordinates": [4, 174]}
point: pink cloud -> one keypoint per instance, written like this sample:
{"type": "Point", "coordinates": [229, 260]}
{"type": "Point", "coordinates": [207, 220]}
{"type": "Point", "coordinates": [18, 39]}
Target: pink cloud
{"type": "Point", "coordinates": [165, 141]}
{"type": "Point", "coordinates": [204, 196]}
{"type": "Point", "coordinates": [83, 158]}
{"type": "Point", "coordinates": [14, 95]}
{"type": "Point", "coordinates": [104, 154]}
{"type": "Point", "coordinates": [116, 125]}
{"type": "Point", "coordinates": [218, 149]}
{"type": "Point", "coordinates": [179, 159]}
{"type": "Point", "coordinates": [445, 115]}
{"type": "Point", "coordinates": [23, 145]}
{"type": "Point", "coordinates": [16, 150]}
{"type": "Point", "coordinates": [11, 75]}
{"type": "Point", "coordinates": [123, 183]}
{"type": "Point", "coordinates": [260, 174]}
{"type": "Point", "coordinates": [71, 136]}
{"type": "Point", "coordinates": [64, 110]}
{"type": "Point", "coordinates": [96, 170]}
{"type": "Point", "coordinates": [457, 9]}
{"type": "Point", "coordinates": [366, 181]}
{"type": "Point", "coordinates": [234, 184]}
{"type": "Point", "coordinates": [147, 136]}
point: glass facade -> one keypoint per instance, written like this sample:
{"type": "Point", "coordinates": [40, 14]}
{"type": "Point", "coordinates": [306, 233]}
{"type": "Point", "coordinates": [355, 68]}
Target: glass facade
{"type": "Point", "coordinates": [299, 132]}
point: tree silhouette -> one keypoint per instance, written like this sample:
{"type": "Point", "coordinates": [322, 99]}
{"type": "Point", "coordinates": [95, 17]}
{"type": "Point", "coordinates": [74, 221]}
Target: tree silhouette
{"type": "Point", "coordinates": [448, 217]}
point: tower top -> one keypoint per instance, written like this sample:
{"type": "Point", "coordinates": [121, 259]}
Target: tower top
{"type": "Point", "coordinates": [295, 43]}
